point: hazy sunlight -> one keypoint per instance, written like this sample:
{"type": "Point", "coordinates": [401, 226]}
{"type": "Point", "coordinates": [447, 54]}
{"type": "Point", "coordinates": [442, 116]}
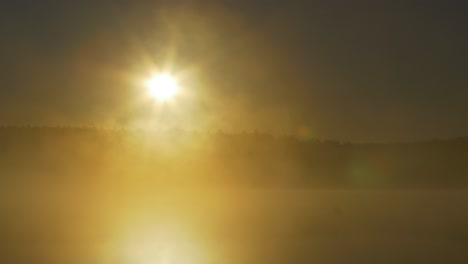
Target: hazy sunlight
{"type": "Point", "coordinates": [162, 87]}
{"type": "Point", "coordinates": [162, 244]}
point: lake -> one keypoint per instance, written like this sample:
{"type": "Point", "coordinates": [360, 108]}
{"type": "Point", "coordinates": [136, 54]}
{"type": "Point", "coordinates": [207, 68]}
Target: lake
{"type": "Point", "coordinates": [74, 225]}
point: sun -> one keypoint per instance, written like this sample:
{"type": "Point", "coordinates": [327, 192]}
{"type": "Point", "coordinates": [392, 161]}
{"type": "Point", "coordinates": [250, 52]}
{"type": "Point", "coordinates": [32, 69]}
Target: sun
{"type": "Point", "coordinates": [162, 87]}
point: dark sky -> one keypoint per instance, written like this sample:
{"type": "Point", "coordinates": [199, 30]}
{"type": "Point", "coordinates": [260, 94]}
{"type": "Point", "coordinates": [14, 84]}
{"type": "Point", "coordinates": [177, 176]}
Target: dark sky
{"type": "Point", "coordinates": [351, 70]}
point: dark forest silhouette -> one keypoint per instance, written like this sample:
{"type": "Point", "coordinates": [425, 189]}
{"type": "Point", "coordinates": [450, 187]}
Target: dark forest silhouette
{"type": "Point", "coordinates": [88, 155]}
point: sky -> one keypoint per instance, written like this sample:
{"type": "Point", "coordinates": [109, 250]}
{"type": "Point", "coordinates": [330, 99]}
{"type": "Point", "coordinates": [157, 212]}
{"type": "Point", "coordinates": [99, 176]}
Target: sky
{"type": "Point", "coordinates": [373, 71]}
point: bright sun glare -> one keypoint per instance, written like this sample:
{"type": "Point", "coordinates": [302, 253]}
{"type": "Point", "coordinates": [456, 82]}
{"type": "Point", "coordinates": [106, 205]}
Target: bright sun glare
{"type": "Point", "coordinates": [162, 87]}
{"type": "Point", "coordinates": [162, 246]}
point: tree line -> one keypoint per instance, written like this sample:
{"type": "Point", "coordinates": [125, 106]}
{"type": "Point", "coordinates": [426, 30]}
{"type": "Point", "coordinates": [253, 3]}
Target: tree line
{"type": "Point", "coordinates": [91, 155]}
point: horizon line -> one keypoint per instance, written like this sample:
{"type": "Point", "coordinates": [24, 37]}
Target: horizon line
{"type": "Point", "coordinates": [221, 131]}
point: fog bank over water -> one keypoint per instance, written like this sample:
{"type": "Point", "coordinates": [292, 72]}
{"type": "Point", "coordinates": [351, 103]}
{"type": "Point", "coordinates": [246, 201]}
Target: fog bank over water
{"type": "Point", "coordinates": [83, 195]}
{"type": "Point", "coordinates": [155, 160]}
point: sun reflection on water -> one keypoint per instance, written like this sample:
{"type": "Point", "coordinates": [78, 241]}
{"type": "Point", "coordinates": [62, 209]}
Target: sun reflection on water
{"type": "Point", "coordinates": [160, 242]}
